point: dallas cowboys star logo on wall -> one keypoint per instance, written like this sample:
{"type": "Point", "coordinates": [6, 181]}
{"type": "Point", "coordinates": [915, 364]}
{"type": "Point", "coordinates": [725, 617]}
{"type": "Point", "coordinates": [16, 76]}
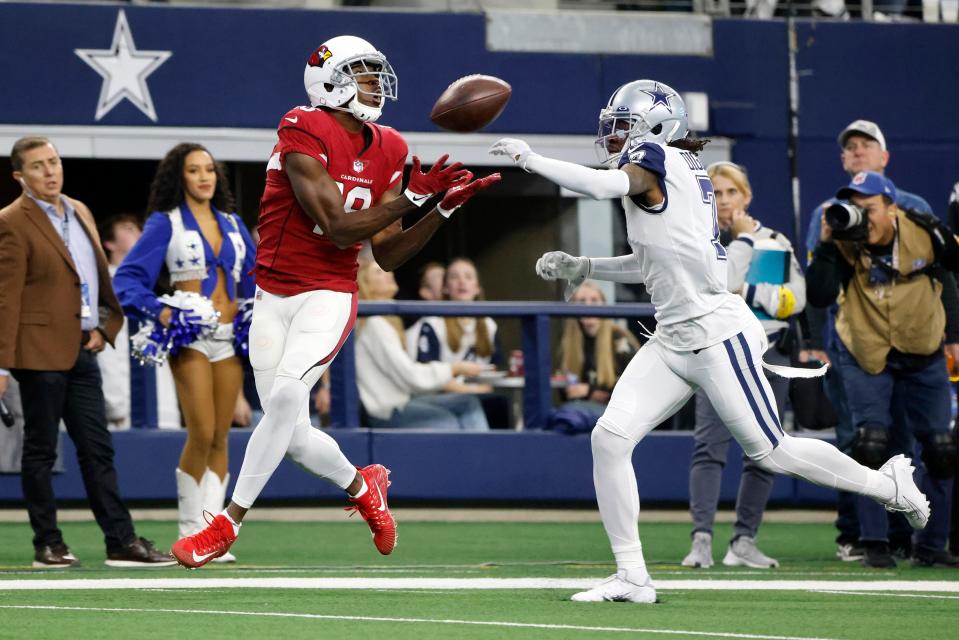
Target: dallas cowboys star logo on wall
{"type": "Point", "coordinates": [659, 96]}
{"type": "Point", "coordinates": [124, 70]}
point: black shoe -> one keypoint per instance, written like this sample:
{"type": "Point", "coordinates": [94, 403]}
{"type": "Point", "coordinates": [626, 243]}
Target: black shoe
{"type": "Point", "coordinates": [934, 558]}
{"type": "Point", "coordinates": [54, 556]}
{"type": "Point", "coordinates": [139, 553]}
{"type": "Point", "coordinates": [877, 556]}
{"type": "Point", "coordinates": [900, 547]}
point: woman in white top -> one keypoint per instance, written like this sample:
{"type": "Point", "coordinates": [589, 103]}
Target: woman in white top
{"type": "Point", "coordinates": [394, 389]}
{"type": "Point", "coordinates": [451, 339]}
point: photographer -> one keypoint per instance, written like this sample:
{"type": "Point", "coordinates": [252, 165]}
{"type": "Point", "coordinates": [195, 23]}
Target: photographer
{"type": "Point", "coordinates": [863, 148]}
{"type": "Point", "coordinates": [891, 267]}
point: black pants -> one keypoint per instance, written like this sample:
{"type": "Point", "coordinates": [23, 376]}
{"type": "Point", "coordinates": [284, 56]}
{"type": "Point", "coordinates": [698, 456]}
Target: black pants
{"type": "Point", "coordinates": [76, 396]}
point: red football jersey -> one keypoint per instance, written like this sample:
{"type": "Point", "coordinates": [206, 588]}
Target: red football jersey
{"type": "Point", "coordinates": [293, 255]}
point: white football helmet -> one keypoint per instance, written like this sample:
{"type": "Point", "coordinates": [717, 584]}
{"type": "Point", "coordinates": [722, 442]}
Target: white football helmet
{"type": "Point", "coordinates": [640, 110]}
{"type": "Point", "coordinates": [331, 72]}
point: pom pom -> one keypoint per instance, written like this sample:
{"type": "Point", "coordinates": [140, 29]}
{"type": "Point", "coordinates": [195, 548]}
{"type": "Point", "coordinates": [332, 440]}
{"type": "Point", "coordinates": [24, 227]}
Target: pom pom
{"type": "Point", "coordinates": [193, 318]}
{"type": "Point", "coordinates": [241, 328]}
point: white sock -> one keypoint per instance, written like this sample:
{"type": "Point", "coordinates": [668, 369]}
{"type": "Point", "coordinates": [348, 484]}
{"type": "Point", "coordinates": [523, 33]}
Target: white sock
{"type": "Point", "coordinates": [236, 525]}
{"type": "Point", "coordinates": [362, 488]}
{"type": "Point", "coordinates": [618, 497]}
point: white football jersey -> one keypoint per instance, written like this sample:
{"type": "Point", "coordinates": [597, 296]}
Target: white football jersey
{"type": "Point", "coordinates": [677, 245]}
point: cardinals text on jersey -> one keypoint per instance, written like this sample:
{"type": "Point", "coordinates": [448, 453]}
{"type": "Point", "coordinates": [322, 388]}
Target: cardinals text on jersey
{"type": "Point", "coordinates": [293, 255]}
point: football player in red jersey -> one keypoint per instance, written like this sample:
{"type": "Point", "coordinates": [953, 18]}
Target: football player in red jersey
{"type": "Point", "coordinates": [333, 180]}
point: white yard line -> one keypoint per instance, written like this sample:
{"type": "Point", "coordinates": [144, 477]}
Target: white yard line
{"type": "Point", "coordinates": [436, 621]}
{"type": "Point", "coordinates": [891, 595]}
{"type": "Point", "coordinates": [938, 586]}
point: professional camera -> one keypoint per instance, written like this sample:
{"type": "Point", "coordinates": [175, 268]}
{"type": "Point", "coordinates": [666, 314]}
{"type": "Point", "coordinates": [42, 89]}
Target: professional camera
{"type": "Point", "coordinates": [848, 222]}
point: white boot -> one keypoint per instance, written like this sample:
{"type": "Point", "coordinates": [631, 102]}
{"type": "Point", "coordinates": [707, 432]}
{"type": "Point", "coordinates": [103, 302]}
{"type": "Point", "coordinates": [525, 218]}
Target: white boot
{"type": "Point", "coordinates": [214, 495]}
{"type": "Point", "coordinates": [189, 502]}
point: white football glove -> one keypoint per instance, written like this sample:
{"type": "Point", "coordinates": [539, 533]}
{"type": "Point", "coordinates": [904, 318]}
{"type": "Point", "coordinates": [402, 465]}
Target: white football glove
{"type": "Point", "coordinates": [517, 150]}
{"type": "Point", "coordinates": [556, 265]}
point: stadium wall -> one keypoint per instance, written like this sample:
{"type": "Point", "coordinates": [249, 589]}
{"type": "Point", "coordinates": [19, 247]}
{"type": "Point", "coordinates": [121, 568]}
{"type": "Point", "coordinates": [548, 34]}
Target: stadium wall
{"type": "Point", "coordinates": [503, 466]}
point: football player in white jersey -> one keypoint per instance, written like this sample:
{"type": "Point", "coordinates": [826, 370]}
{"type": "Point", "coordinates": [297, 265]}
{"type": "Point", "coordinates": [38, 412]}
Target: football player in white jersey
{"type": "Point", "coordinates": [706, 337]}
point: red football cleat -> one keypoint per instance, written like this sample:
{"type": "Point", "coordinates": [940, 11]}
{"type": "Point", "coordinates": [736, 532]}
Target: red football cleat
{"type": "Point", "coordinates": [196, 550]}
{"type": "Point", "coordinates": [373, 508]}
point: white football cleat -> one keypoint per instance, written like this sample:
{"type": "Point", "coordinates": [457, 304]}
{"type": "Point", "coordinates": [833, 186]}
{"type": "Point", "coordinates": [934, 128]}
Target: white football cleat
{"type": "Point", "coordinates": [908, 499]}
{"type": "Point", "coordinates": [701, 553]}
{"type": "Point", "coordinates": [617, 588]}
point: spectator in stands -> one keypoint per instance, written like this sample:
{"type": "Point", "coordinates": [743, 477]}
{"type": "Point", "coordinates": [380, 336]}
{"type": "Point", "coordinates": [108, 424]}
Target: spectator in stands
{"type": "Point", "coordinates": [59, 310]}
{"type": "Point", "coordinates": [192, 241]}
{"type": "Point", "coordinates": [593, 353]}
{"type": "Point", "coordinates": [118, 236]}
{"type": "Point", "coordinates": [863, 148]}
{"type": "Point", "coordinates": [756, 259]}
{"type": "Point", "coordinates": [461, 339]}
{"type": "Point", "coordinates": [890, 328]}
{"type": "Point", "coordinates": [395, 390]}
{"type": "Point", "coordinates": [432, 275]}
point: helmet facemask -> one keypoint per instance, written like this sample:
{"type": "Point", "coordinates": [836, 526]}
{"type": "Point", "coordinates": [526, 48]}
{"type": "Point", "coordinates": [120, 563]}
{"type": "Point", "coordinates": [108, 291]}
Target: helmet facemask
{"type": "Point", "coordinates": [361, 67]}
{"type": "Point", "coordinates": [643, 110]}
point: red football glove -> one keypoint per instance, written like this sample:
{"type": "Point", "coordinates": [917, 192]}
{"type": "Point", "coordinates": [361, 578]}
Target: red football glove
{"type": "Point", "coordinates": [438, 179]}
{"type": "Point", "coordinates": [457, 196]}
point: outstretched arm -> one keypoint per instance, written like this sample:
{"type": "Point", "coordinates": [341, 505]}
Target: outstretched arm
{"type": "Point", "coordinates": [557, 265]}
{"type": "Point", "coordinates": [595, 183]}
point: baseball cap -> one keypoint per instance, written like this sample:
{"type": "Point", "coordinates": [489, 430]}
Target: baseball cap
{"type": "Point", "coordinates": [866, 128]}
{"type": "Point", "coordinates": [868, 183]}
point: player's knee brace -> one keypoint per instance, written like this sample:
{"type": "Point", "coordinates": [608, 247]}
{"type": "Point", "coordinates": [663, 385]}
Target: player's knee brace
{"type": "Point", "coordinates": [871, 447]}
{"type": "Point", "coordinates": [939, 453]}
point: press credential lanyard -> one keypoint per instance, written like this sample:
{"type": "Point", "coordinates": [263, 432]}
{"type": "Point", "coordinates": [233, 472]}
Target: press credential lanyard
{"type": "Point", "coordinates": [85, 309]}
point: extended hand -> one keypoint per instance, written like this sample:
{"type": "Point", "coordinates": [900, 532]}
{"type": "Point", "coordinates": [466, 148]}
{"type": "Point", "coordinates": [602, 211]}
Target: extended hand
{"type": "Point", "coordinates": [438, 179]}
{"type": "Point", "coordinates": [557, 265]}
{"type": "Point", "coordinates": [460, 194]}
{"type": "Point", "coordinates": [517, 150]}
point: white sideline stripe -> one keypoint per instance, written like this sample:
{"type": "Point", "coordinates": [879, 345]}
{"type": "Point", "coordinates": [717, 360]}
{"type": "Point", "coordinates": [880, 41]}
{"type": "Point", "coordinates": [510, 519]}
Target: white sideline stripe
{"type": "Point", "coordinates": [940, 586]}
{"type": "Point", "coordinates": [891, 595]}
{"type": "Point", "coordinates": [482, 623]}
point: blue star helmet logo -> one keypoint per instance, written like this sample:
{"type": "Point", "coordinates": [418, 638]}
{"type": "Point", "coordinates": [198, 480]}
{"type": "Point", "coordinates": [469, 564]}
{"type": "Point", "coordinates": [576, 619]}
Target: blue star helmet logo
{"type": "Point", "coordinates": [659, 97]}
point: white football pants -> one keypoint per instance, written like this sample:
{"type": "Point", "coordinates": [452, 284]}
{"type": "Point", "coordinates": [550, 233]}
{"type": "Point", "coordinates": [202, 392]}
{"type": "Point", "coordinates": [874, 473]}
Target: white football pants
{"type": "Point", "coordinates": [293, 340]}
{"type": "Point", "coordinates": [656, 384]}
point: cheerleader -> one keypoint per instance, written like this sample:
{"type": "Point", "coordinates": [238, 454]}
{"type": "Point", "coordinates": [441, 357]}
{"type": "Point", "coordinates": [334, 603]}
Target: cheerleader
{"type": "Point", "coordinates": [190, 245]}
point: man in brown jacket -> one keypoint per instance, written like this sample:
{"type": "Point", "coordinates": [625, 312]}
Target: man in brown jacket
{"type": "Point", "coordinates": [59, 310]}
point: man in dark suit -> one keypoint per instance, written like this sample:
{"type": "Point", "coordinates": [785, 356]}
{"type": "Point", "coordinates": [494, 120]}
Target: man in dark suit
{"type": "Point", "coordinates": [59, 310]}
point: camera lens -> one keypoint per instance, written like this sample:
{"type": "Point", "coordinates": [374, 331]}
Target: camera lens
{"type": "Point", "coordinates": [848, 221]}
{"type": "Point", "coordinates": [844, 216]}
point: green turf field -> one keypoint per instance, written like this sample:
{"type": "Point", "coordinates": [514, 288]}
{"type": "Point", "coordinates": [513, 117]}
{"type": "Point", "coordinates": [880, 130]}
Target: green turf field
{"type": "Point", "coordinates": [466, 580]}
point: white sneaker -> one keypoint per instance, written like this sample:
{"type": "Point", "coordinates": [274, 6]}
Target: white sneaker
{"type": "Point", "coordinates": [908, 499]}
{"type": "Point", "coordinates": [743, 552]}
{"type": "Point", "coordinates": [701, 553]}
{"type": "Point", "coordinates": [617, 588]}
{"type": "Point", "coordinates": [226, 558]}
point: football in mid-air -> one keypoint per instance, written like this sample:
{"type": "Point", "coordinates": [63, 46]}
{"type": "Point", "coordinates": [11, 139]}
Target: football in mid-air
{"type": "Point", "coordinates": [471, 103]}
